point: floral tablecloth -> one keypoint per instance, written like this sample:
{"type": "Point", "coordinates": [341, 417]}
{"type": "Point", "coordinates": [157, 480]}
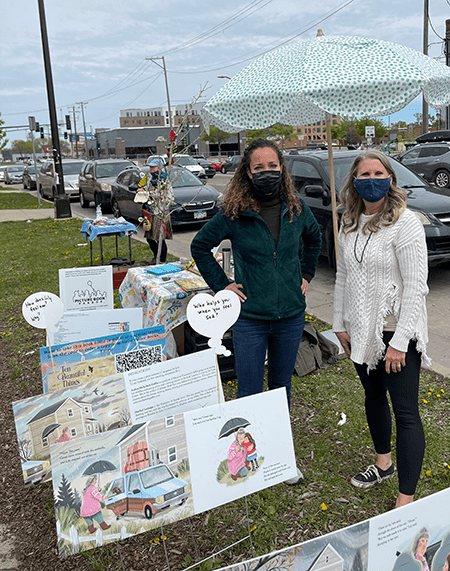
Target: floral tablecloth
{"type": "Point", "coordinates": [163, 302]}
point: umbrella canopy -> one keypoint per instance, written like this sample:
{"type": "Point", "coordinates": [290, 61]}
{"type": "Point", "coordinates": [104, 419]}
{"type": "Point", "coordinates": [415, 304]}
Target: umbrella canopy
{"type": "Point", "coordinates": [299, 83]}
{"type": "Point", "coordinates": [233, 425]}
{"type": "Point", "coordinates": [99, 467]}
{"type": "Point", "coordinates": [49, 429]}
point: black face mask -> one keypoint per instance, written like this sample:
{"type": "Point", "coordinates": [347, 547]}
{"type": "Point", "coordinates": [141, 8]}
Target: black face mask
{"type": "Point", "coordinates": [266, 184]}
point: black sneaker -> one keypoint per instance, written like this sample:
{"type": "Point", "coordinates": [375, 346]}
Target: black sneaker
{"type": "Point", "coordinates": [373, 475]}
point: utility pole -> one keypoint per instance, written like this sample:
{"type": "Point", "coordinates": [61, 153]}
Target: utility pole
{"type": "Point", "coordinates": [62, 201]}
{"type": "Point", "coordinates": [75, 129]}
{"type": "Point", "coordinates": [84, 130]}
{"type": "Point", "coordinates": [163, 67]}
{"type": "Point", "coordinates": [447, 61]}
{"type": "Point", "coordinates": [425, 51]}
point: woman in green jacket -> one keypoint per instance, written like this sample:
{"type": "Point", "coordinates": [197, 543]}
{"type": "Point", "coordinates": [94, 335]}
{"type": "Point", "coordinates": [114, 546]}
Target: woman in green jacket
{"type": "Point", "coordinates": [276, 243]}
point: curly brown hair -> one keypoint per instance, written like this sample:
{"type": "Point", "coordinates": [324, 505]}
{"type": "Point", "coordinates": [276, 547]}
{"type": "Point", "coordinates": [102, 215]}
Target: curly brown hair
{"type": "Point", "coordinates": [393, 206]}
{"type": "Point", "coordinates": [240, 195]}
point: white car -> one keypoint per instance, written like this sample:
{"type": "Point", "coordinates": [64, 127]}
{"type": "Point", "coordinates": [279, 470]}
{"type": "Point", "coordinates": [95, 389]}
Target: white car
{"type": "Point", "coordinates": [47, 178]}
{"type": "Point", "coordinates": [2, 173]}
{"type": "Point", "coordinates": [190, 164]}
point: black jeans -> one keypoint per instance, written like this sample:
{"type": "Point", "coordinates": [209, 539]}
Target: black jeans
{"type": "Point", "coordinates": [154, 248]}
{"type": "Point", "coordinates": [403, 389]}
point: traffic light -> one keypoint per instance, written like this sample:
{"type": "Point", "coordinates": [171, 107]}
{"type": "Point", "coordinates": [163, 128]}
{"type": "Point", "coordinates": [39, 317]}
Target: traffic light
{"type": "Point", "coordinates": [37, 127]}
{"type": "Point", "coordinates": [65, 134]}
{"type": "Point", "coordinates": [42, 132]}
{"type": "Point", "coordinates": [68, 124]}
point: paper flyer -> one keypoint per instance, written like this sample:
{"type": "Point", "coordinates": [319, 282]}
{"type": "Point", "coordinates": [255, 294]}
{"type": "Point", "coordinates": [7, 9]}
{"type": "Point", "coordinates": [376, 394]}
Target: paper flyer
{"type": "Point", "coordinates": [86, 289]}
{"type": "Point", "coordinates": [156, 472]}
{"type": "Point", "coordinates": [101, 405]}
{"type": "Point", "coordinates": [75, 363]}
{"type": "Point", "coordinates": [79, 325]}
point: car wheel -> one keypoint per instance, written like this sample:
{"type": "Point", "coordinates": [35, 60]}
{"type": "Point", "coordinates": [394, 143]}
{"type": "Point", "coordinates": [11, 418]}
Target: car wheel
{"type": "Point", "coordinates": [84, 203]}
{"type": "Point", "coordinates": [116, 209]}
{"type": "Point", "coordinates": [223, 170]}
{"type": "Point", "coordinates": [442, 179]}
{"type": "Point", "coordinates": [24, 186]}
{"type": "Point", "coordinates": [148, 512]}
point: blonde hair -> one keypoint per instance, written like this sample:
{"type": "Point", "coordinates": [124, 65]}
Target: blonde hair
{"type": "Point", "coordinates": [393, 206]}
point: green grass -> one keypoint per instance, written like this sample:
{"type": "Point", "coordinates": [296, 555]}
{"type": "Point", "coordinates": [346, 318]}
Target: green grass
{"type": "Point", "coordinates": [20, 200]}
{"type": "Point", "coordinates": [328, 454]}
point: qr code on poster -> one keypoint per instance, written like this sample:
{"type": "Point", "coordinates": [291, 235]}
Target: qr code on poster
{"type": "Point", "coordinates": [138, 359]}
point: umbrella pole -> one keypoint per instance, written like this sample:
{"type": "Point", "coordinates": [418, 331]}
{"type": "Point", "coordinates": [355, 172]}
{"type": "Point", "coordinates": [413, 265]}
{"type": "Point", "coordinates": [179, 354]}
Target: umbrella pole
{"type": "Point", "coordinates": [332, 187]}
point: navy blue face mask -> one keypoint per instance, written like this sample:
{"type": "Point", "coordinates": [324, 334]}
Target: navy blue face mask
{"type": "Point", "coordinates": [266, 183]}
{"type": "Point", "coordinates": [372, 189]}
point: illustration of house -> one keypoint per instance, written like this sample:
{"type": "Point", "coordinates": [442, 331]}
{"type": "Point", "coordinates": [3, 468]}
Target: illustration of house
{"type": "Point", "coordinates": [62, 420]}
{"type": "Point", "coordinates": [162, 440]}
{"type": "Point", "coordinates": [328, 560]}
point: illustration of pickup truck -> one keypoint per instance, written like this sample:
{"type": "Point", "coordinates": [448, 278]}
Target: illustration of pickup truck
{"type": "Point", "coordinates": [146, 491]}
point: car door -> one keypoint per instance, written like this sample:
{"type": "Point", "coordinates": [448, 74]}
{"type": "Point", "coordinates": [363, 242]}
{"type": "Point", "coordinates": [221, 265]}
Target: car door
{"type": "Point", "coordinates": [134, 494]}
{"type": "Point", "coordinates": [411, 160]}
{"type": "Point", "coordinates": [47, 179]}
{"type": "Point", "coordinates": [431, 159]}
{"type": "Point", "coordinates": [133, 209]}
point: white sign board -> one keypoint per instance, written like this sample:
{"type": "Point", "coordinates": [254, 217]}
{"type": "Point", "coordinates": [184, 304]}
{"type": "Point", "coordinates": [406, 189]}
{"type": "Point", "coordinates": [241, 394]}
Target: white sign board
{"type": "Point", "coordinates": [83, 289]}
{"type": "Point", "coordinates": [370, 131]}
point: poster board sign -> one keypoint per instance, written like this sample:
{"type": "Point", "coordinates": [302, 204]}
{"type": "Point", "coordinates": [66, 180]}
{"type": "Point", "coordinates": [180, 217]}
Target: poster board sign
{"type": "Point", "coordinates": [86, 289]}
{"type": "Point", "coordinates": [101, 405]}
{"type": "Point", "coordinates": [75, 363]}
{"type": "Point", "coordinates": [153, 473]}
{"type": "Point", "coordinates": [78, 325]}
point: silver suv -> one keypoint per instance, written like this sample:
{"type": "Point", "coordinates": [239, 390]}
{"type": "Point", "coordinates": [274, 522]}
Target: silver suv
{"type": "Point", "coordinates": [431, 161]}
{"type": "Point", "coordinates": [96, 178]}
{"type": "Point", "coordinates": [47, 178]}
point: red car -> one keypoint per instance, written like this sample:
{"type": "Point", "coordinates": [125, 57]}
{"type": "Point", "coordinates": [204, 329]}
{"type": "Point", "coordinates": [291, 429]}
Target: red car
{"type": "Point", "coordinates": [216, 165]}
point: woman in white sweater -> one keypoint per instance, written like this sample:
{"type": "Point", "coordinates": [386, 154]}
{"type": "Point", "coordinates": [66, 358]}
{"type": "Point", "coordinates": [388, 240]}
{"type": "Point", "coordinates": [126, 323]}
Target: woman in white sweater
{"type": "Point", "coordinates": [380, 314]}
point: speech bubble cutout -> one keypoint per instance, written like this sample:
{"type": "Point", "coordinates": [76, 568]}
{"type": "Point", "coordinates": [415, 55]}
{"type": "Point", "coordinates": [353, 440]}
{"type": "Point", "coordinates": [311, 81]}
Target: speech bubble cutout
{"type": "Point", "coordinates": [43, 310]}
{"type": "Point", "coordinates": [212, 316]}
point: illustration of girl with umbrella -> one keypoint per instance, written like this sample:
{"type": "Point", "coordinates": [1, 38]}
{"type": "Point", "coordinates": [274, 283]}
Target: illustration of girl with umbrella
{"type": "Point", "coordinates": [91, 510]}
{"type": "Point", "coordinates": [237, 456]}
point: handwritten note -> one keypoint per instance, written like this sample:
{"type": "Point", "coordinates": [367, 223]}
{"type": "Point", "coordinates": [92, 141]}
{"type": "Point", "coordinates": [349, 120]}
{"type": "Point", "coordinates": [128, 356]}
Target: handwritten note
{"type": "Point", "coordinates": [43, 310]}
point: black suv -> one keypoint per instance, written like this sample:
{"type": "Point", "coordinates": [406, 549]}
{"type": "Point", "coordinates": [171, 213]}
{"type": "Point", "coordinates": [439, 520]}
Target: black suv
{"type": "Point", "coordinates": [95, 180]}
{"type": "Point", "coordinates": [431, 161]}
{"type": "Point", "coordinates": [311, 176]}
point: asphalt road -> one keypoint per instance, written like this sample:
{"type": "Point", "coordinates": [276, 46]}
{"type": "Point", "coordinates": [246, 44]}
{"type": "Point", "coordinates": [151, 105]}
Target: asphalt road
{"type": "Point", "coordinates": [320, 296]}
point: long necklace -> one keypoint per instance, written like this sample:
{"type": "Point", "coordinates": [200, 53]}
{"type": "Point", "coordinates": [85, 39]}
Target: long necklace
{"type": "Point", "coordinates": [364, 249]}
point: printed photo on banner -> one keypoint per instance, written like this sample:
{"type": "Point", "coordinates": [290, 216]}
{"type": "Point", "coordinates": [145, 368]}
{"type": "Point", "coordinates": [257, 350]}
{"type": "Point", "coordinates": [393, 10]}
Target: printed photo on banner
{"type": "Point", "coordinates": [75, 363]}
{"type": "Point", "coordinates": [111, 486]}
{"type": "Point", "coordinates": [102, 404]}
{"type": "Point", "coordinates": [79, 325]}
{"type": "Point", "coordinates": [82, 289]}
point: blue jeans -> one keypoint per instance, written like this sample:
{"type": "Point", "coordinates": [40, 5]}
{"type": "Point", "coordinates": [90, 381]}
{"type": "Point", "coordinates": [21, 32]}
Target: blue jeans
{"type": "Point", "coordinates": [251, 338]}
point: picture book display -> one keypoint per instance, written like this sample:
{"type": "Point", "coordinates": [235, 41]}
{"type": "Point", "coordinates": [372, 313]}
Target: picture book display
{"type": "Point", "coordinates": [118, 484]}
{"type": "Point", "coordinates": [81, 361]}
{"type": "Point", "coordinates": [102, 404]}
{"type": "Point", "coordinates": [86, 288]}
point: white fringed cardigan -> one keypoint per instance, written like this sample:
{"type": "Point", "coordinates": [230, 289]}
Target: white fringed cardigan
{"type": "Point", "coordinates": [390, 279]}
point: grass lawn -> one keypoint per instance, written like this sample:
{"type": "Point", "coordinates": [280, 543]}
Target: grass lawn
{"type": "Point", "coordinates": [280, 516]}
{"type": "Point", "coordinates": [21, 200]}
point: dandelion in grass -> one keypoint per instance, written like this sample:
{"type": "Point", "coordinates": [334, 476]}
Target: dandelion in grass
{"type": "Point", "coordinates": [323, 506]}
{"type": "Point", "coordinates": [425, 401]}
{"type": "Point", "coordinates": [428, 472]}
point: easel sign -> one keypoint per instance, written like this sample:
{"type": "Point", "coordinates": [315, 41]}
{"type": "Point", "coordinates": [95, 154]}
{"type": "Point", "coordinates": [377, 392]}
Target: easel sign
{"type": "Point", "coordinates": [213, 316]}
{"type": "Point", "coordinates": [83, 289]}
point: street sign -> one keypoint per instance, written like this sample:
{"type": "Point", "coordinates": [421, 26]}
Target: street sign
{"type": "Point", "coordinates": [370, 131]}
{"type": "Point", "coordinates": [74, 137]}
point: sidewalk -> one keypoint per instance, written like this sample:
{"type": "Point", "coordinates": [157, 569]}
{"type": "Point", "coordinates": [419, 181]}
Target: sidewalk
{"type": "Point", "coordinates": [26, 214]}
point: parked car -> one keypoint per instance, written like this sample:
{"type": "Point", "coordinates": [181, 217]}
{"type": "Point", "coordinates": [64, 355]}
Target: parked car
{"type": "Point", "coordinates": [2, 173]}
{"type": "Point", "coordinates": [193, 200]}
{"type": "Point", "coordinates": [210, 171]}
{"type": "Point", "coordinates": [47, 178]}
{"type": "Point", "coordinates": [96, 178]}
{"type": "Point", "coordinates": [162, 157]}
{"type": "Point", "coordinates": [196, 157]}
{"type": "Point", "coordinates": [216, 165]}
{"type": "Point", "coordinates": [230, 164]}
{"type": "Point", "coordinates": [190, 164]}
{"type": "Point", "coordinates": [13, 174]}
{"type": "Point", "coordinates": [29, 177]}
{"type": "Point", "coordinates": [310, 174]}
{"type": "Point", "coordinates": [431, 161]}
{"type": "Point", "coordinates": [147, 491]}
{"type": "Point", "coordinates": [34, 471]}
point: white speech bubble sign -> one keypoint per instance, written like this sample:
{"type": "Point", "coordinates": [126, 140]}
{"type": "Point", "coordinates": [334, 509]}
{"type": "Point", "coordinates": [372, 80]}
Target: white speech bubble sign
{"type": "Point", "coordinates": [43, 310]}
{"type": "Point", "coordinates": [212, 316]}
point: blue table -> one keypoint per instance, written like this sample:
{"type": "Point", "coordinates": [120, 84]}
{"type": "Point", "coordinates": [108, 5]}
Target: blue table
{"type": "Point", "coordinates": [111, 227]}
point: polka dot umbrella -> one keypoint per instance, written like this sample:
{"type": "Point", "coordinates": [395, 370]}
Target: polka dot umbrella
{"type": "Point", "coordinates": [301, 83]}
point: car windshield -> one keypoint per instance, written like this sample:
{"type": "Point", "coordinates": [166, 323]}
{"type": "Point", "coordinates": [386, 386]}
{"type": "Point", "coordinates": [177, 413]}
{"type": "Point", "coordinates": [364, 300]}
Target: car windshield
{"type": "Point", "coordinates": [32, 170]}
{"type": "Point", "coordinates": [155, 476]}
{"type": "Point", "coordinates": [405, 178]}
{"type": "Point", "coordinates": [72, 168]}
{"type": "Point", "coordinates": [16, 169]}
{"type": "Point", "coordinates": [111, 169]}
{"type": "Point", "coordinates": [185, 161]}
{"type": "Point", "coordinates": [183, 177]}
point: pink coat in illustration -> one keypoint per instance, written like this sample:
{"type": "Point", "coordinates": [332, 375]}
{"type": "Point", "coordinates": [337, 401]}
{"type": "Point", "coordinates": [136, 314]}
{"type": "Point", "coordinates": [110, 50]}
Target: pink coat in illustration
{"type": "Point", "coordinates": [91, 501]}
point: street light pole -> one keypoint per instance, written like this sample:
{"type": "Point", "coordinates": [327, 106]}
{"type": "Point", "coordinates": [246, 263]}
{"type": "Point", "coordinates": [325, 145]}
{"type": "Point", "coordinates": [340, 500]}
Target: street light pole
{"type": "Point", "coordinates": [425, 51]}
{"type": "Point", "coordinates": [62, 201]}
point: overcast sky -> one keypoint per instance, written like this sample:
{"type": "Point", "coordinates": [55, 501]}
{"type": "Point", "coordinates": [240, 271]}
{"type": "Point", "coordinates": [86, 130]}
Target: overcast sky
{"type": "Point", "coordinates": [99, 49]}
